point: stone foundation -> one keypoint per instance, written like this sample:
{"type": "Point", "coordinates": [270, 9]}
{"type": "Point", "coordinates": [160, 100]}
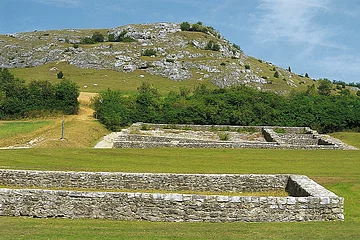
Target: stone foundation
{"type": "Point", "coordinates": [139, 136]}
{"type": "Point", "coordinates": [308, 201]}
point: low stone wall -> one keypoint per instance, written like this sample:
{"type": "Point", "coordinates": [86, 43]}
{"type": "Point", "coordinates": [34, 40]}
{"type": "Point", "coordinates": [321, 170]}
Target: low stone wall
{"type": "Point", "coordinates": [293, 138]}
{"type": "Point", "coordinates": [133, 181]}
{"type": "Point", "coordinates": [142, 141]}
{"type": "Point", "coordinates": [314, 204]}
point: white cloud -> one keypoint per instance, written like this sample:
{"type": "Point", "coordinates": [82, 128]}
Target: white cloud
{"type": "Point", "coordinates": [294, 21]}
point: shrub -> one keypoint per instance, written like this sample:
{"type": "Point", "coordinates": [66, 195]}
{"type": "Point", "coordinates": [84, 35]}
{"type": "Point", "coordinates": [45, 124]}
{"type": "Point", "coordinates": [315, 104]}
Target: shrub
{"type": "Point", "coordinates": [276, 74]}
{"type": "Point", "coordinates": [325, 86]}
{"type": "Point", "coordinates": [223, 136]}
{"type": "Point", "coordinates": [149, 52]}
{"type": "Point", "coordinates": [75, 45]}
{"type": "Point", "coordinates": [237, 47]}
{"type": "Point", "coordinates": [97, 37]}
{"type": "Point", "coordinates": [307, 75]}
{"type": "Point", "coordinates": [197, 27]}
{"type": "Point", "coordinates": [87, 40]}
{"type": "Point", "coordinates": [247, 66]}
{"type": "Point", "coordinates": [60, 75]}
{"type": "Point", "coordinates": [185, 26]}
{"type": "Point", "coordinates": [211, 45]}
{"type": "Point", "coordinates": [111, 37]}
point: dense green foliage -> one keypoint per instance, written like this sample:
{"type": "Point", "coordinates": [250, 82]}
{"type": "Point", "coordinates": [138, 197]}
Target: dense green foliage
{"type": "Point", "coordinates": [236, 106]}
{"type": "Point", "coordinates": [325, 87]}
{"type": "Point", "coordinates": [199, 27]}
{"type": "Point", "coordinates": [18, 100]}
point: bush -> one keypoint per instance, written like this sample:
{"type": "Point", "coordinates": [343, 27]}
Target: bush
{"type": "Point", "coordinates": [185, 26]}
{"type": "Point", "coordinates": [276, 74]}
{"type": "Point", "coordinates": [60, 75]}
{"type": "Point", "coordinates": [97, 37]}
{"type": "Point", "coordinates": [87, 40]}
{"type": "Point", "coordinates": [149, 52]}
{"type": "Point", "coordinates": [237, 47]}
{"type": "Point", "coordinates": [247, 66]}
{"type": "Point", "coordinates": [223, 136]}
{"type": "Point", "coordinates": [211, 45]}
{"type": "Point", "coordinates": [111, 37]}
{"type": "Point", "coordinates": [324, 87]}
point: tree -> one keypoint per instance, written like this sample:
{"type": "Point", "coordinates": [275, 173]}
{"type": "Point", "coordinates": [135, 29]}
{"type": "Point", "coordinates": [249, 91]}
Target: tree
{"type": "Point", "coordinates": [147, 103]}
{"type": "Point", "coordinates": [324, 87]}
{"type": "Point", "coordinates": [66, 94]}
{"type": "Point", "coordinates": [113, 109]}
{"type": "Point", "coordinates": [41, 95]}
{"type": "Point", "coordinates": [307, 75]}
{"type": "Point", "coordinates": [289, 69]}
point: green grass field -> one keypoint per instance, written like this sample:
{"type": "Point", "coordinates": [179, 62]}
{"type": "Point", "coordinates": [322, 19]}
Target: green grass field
{"type": "Point", "coordinates": [11, 129]}
{"type": "Point", "coordinates": [337, 170]}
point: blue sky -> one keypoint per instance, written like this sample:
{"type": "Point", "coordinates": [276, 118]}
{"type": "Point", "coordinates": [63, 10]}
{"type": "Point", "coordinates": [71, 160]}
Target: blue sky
{"type": "Point", "coordinates": [318, 37]}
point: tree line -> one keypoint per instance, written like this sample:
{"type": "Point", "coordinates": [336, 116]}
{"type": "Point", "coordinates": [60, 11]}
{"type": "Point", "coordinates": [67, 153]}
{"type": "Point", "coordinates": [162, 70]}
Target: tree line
{"type": "Point", "coordinates": [238, 105]}
{"type": "Point", "coordinates": [38, 98]}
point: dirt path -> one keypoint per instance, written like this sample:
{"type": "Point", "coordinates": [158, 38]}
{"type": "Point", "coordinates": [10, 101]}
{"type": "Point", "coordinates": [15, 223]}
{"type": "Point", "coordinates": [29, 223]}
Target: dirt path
{"type": "Point", "coordinates": [81, 130]}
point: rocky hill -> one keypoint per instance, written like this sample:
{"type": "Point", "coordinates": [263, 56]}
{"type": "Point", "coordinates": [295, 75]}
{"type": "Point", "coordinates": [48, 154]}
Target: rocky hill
{"type": "Point", "coordinates": [177, 55]}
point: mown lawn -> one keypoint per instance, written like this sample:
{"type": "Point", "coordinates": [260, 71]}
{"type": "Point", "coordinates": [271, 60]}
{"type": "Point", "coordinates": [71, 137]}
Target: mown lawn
{"type": "Point", "coordinates": [336, 170]}
{"type": "Point", "coordinates": [11, 129]}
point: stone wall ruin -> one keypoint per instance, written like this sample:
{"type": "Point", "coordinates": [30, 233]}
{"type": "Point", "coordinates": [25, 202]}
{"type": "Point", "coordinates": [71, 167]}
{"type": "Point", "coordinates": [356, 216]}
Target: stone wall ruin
{"type": "Point", "coordinates": [143, 135]}
{"type": "Point", "coordinates": [308, 201]}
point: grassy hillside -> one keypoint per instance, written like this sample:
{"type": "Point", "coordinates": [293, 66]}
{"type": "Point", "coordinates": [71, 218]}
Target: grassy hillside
{"type": "Point", "coordinates": [100, 80]}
